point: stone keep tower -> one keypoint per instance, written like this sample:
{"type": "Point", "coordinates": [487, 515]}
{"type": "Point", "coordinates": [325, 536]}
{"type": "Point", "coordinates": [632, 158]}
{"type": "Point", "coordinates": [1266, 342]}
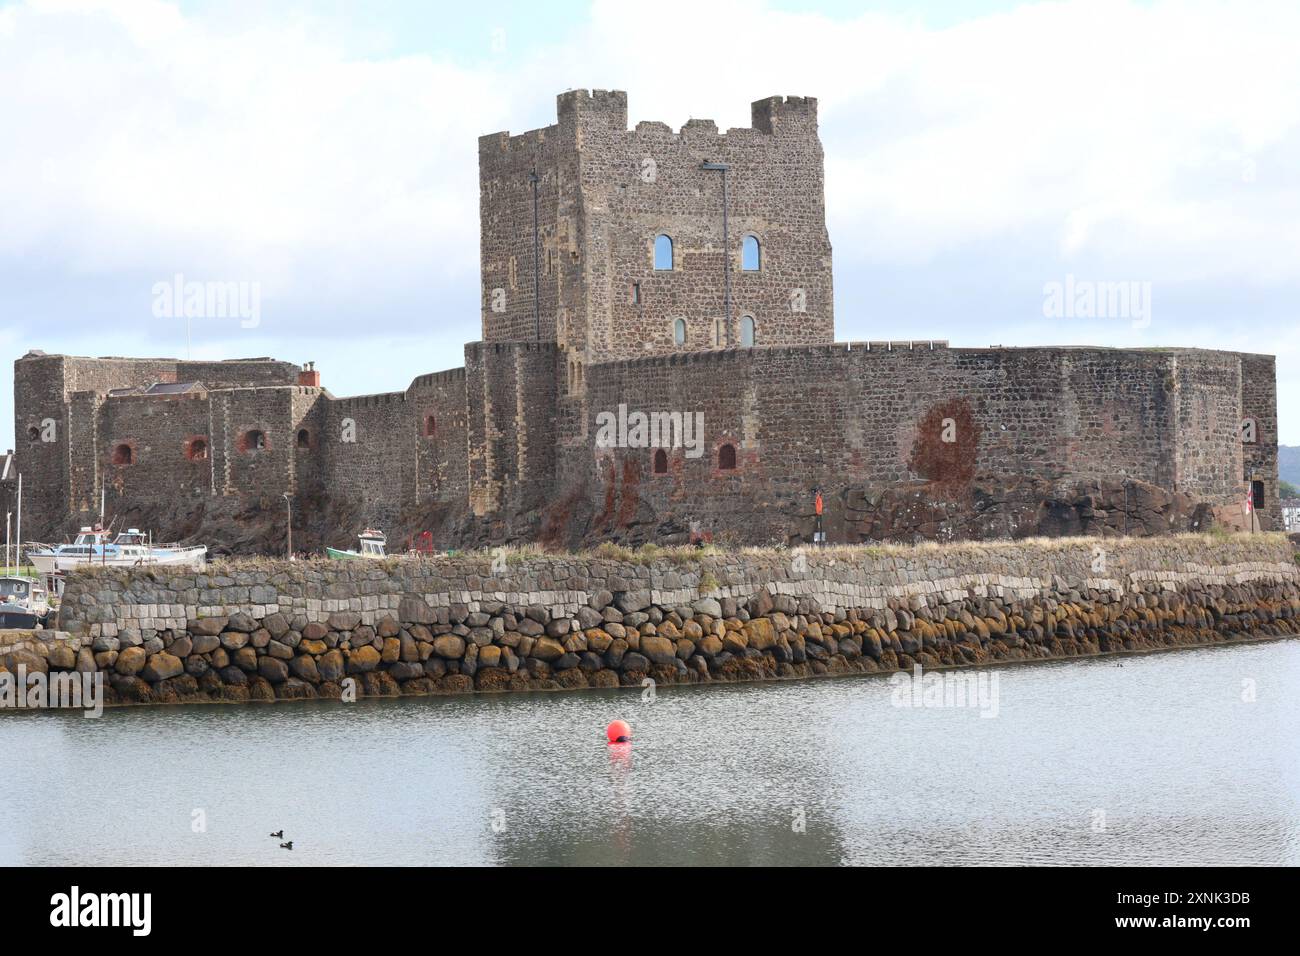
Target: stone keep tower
{"type": "Point", "coordinates": [601, 197]}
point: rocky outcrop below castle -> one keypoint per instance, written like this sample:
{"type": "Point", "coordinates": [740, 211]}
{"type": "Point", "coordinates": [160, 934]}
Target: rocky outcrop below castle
{"type": "Point", "coordinates": [290, 631]}
{"type": "Point", "coordinates": [985, 508]}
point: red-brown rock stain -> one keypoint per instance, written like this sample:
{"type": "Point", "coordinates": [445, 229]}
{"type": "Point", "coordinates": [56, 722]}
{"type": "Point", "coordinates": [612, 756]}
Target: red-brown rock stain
{"type": "Point", "coordinates": [630, 496]}
{"type": "Point", "coordinates": [948, 465]}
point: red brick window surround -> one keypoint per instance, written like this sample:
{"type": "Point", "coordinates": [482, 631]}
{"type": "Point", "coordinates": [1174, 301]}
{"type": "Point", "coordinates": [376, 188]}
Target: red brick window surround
{"type": "Point", "coordinates": [253, 441]}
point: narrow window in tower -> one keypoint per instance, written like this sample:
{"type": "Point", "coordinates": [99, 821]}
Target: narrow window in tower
{"type": "Point", "coordinates": [636, 293]}
{"type": "Point", "coordinates": [661, 462]}
{"type": "Point", "coordinates": [1257, 494]}
{"type": "Point", "coordinates": [679, 331]}
{"type": "Point", "coordinates": [750, 254]}
{"type": "Point", "coordinates": [663, 253]}
{"type": "Point", "coordinates": [123, 455]}
{"type": "Point", "coordinates": [747, 331]}
{"type": "Point", "coordinates": [303, 439]}
{"type": "Point", "coordinates": [727, 458]}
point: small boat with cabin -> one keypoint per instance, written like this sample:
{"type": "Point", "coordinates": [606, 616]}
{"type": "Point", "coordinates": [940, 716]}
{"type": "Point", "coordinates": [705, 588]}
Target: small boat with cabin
{"type": "Point", "coordinates": [373, 544]}
{"type": "Point", "coordinates": [24, 603]}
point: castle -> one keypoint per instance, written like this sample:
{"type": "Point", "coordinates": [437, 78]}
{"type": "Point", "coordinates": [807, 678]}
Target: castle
{"type": "Point", "coordinates": [675, 277]}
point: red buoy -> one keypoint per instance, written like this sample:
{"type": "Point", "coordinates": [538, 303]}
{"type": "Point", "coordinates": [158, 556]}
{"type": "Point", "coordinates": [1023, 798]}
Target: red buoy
{"type": "Point", "coordinates": [618, 732]}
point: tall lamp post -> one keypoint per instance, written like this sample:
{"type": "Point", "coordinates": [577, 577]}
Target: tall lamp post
{"type": "Point", "coordinates": [726, 249]}
{"type": "Point", "coordinates": [288, 510]}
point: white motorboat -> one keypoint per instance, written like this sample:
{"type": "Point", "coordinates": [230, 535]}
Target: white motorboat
{"type": "Point", "coordinates": [131, 548]}
{"type": "Point", "coordinates": [89, 541]}
{"type": "Point", "coordinates": [24, 603]}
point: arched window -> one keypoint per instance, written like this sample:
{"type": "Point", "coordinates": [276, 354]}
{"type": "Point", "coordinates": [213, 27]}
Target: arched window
{"type": "Point", "coordinates": [727, 458]}
{"type": "Point", "coordinates": [304, 438]}
{"type": "Point", "coordinates": [747, 331]}
{"type": "Point", "coordinates": [430, 426]}
{"type": "Point", "coordinates": [254, 441]}
{"type": "Point", "coordinates": [751, 254]}
{"type": "Point", "coordinates": [196, 449]}
{"type": "Point", "coordinates": [679, 331]}
{"type": "Point", "coordinates": [123, 455]}
{"type": "Point", "coordinates": [661, 462]}
{"type": "Point", "coordinates": [663, 253]}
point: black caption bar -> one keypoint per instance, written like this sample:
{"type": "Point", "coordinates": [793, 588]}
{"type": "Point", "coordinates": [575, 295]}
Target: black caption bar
{"type": "Point", "coordinates": [143, 906]}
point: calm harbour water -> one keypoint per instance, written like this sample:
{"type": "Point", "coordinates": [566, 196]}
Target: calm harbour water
{"type": "Point", "coordinates": [1184, 770]}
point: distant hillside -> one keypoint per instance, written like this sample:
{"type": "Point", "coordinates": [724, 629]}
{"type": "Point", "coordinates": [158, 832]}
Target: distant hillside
{"type": "Point", "coordinates": [1288, 463]}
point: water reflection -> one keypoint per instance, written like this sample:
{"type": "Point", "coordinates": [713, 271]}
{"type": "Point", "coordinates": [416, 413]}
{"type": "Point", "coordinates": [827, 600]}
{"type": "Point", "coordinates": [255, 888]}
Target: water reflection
{"type": "Point", "coordinates": [1161, 761]}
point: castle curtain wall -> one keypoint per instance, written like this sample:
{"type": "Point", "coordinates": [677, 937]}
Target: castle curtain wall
{"type": "Point", "coordinates": [836, 416]}
{"type": "Point", "coordinates": [442, 469]}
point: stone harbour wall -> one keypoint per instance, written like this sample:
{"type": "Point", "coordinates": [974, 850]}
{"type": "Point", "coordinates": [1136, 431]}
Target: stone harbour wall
{"type": "Point", "coordinates": [278, 630]}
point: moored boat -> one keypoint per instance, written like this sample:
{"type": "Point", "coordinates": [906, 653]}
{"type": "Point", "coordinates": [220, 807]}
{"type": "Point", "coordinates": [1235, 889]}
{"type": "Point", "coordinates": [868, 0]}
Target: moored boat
{"type": "Point", "coordinates": [373, 544]}
{"type": "Point", "coordinates": [24, 603]}
{"type": "Point", "coordinates": [130, 548]}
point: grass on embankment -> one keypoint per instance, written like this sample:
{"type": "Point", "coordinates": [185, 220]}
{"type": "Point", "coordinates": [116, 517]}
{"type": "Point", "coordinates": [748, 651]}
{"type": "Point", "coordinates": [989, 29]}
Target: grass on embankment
{"type": "Point", "coordinates": [688, 556]}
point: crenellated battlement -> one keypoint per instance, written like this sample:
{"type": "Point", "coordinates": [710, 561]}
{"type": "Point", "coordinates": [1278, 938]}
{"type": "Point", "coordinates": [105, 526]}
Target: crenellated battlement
{"type": "Point", "coordinates": [784, 114]}
{"type": "Point", "coordinates": [592, 107]}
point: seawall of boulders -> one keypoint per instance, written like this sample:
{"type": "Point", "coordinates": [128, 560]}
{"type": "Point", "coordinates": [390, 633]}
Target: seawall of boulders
{"type": "Point", "coordinates": [290, 631]}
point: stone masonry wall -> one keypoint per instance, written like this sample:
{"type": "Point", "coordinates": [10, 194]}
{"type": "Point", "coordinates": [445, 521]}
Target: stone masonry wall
{"type": "Point", "coordinates": [605, 192]}
{"type": "Point", "coordinates": [274, 630]}
{"type": "Point", "coordinates": [1259, 402]}
{"type": "Point", "coordinates": [862, 419]}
